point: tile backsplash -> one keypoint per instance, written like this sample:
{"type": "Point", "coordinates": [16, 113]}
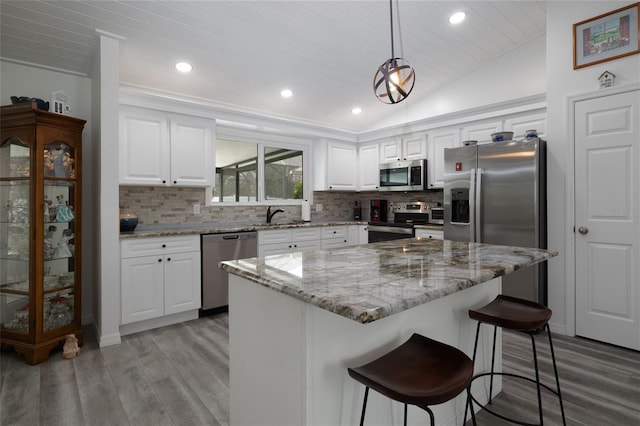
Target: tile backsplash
{"type": "Point", "coordinates": [156, 206]}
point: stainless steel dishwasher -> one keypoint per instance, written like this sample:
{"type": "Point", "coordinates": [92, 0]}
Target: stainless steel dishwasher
{"type": "Point", "coordinates": [216, 248]}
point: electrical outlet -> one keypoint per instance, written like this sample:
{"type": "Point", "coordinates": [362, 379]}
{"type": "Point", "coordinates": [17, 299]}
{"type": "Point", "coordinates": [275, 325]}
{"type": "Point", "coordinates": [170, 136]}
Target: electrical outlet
{"type": "Point", "coordinates": [318, 207]}
{"type": "Point", "coordinates": [196, 208]}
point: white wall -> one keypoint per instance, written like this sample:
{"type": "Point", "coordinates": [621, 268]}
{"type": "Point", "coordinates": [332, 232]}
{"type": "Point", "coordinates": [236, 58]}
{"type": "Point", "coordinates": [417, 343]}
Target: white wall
{"type": "Point", "coordinates": [562, 82]}
{"type": "Point", "coordinates": [517, 74]}
{"type": "Point", "coordinates": [21, 80]}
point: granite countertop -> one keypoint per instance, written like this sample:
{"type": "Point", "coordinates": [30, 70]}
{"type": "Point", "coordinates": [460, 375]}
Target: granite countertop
{"type": "Point", "coordinates": [369, 282]}
{"type": "Point", "coordinates": [219, 228]}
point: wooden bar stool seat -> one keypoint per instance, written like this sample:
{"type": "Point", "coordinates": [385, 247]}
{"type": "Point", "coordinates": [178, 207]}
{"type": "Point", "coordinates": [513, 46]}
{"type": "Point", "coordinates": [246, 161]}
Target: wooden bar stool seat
{"type": "Point", "coordinates": [524, 316]}
{"type": "Point", "coordinates": [420, 372]}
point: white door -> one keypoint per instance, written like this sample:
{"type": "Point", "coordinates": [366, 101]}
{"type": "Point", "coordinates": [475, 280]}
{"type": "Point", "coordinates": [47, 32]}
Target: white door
{"type": "Point", "coordinates": [607, 218]}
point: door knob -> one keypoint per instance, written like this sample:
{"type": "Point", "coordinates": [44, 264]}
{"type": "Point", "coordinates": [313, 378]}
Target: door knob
{"type": "Point", "coordinates": [583, 230]}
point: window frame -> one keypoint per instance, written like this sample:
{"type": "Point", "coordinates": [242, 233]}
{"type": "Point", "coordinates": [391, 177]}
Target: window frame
{"type": "Point", "coordinates": [263, 140]}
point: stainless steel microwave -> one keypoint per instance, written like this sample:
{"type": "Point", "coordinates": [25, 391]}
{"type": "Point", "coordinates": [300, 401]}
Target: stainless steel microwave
{"type": "Point", "coordinates": [403, 176]}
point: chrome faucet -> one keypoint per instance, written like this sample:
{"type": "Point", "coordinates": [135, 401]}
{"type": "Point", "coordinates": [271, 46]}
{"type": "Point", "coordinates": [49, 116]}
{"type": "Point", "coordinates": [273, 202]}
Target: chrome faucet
{"type": "Point", "coordinates": [270, 214]}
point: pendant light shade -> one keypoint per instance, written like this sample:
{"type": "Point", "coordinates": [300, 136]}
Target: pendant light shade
{"type": "Point", "coordinates": [394, 79]}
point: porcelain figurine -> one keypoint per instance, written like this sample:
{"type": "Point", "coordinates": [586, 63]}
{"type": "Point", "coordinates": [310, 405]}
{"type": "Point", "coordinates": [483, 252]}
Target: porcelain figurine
{"type": "Point", "coordinates": [70, 348]}
{"type": "Point", "coordinates": [63, 213]}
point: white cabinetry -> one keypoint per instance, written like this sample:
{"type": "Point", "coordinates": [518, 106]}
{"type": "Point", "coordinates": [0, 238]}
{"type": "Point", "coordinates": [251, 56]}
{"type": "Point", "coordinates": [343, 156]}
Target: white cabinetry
{"type": "Point", "coordinates": [335, 166]}
{"type": "Point", "coordinates": [159, 277]}
{"type": "Point", "coordinates": [158, 148]}
{"type": "Point", "coordinates": [410, 147]}
{"type": "Point", "coordinates": [438, 142]}
{"type": "Point", "coordinates": [368, 167]}
{"type": "Point", "coordinates": [334, 236]}
{"type": "Point", "coordinates": [358, 234]}
{"type": "Point", "coordinates": [520, 125]}
{"type": "Point", "coordinates": [435, 234]}
{"type": "Point", "coordinates": [279, 241]}
{"type": "Point", "coordinates": [481, 132]}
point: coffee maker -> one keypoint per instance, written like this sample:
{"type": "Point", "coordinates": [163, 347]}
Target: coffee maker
{"type": "Point", "coordinates": [378, 211]}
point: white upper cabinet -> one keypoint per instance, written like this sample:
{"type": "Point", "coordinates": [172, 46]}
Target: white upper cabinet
{"type": "Point", "coordinates": [161, 149]}
{"type": "Point", "coordinates": [409, 147]}
{"type": "Point", "coordinates": [520, 125]}
{"type": "Point", "coordinates": [481, 132]}
{"type": "Point", "coordinates": [368, 167]}
{"type": "Point", "coordinates": [335, 166]}
{"type": "Point", "coordinates": [438, 142]}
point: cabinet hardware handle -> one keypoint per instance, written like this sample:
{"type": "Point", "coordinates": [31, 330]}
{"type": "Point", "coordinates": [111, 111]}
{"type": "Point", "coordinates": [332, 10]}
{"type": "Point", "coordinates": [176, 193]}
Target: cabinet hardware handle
{"type": "Point", "coordinates": [175, 182]}
{"type": "Point", "coordinates": [168, 259]}
{"type": "Point", "coordinates": [164, 246]}
{"type": "Point", "coordinates": [159, 260]}
{"type": "Point", "coordinates": [164, 181]}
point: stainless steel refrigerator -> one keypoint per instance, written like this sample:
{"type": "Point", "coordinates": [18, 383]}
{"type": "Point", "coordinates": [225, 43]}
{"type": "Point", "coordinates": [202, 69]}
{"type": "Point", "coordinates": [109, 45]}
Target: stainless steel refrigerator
{"type": "Point", "coordinates": [496, 193]}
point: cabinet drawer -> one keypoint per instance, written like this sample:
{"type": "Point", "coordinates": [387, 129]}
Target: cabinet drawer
{"type": "Point", "coordinates": [334, 232]}
{"type": "Point", "coordinates": [329, 243]}
{"type": "Point", "coordinates": [274, 237]}
{"type": "Point", "coordinates": [427, 233]}
{"type": "Point", "coordinates": [158, 246]}
{"type": "Point", "coordinates": [310, 234]}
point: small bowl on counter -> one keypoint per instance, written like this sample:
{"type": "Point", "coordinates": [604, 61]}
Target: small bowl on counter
{"type": "Point", "coordinates": [501, 136]}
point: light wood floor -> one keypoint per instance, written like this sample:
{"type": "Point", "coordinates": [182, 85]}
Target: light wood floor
{"type": "Point", "coordinates": [179, 375]}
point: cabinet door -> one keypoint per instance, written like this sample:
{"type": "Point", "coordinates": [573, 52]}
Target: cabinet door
{"type": "Point", "coordinates": [181, 282]}
{"type": "Point", "coordinates": [391, 151]}
{"type": "Point", "coordinates": [142, 288]}
{"type": "Point", "coordinates": [520, 125]}
{"type": "Point", "coordinates": [438, 142]}
{"type": "Point", "coordinates": [270, 249]}
{"type": "Point", "coordinates": [358, 234]}
{"type": "Point", "coordinates": [144, 148]}
{"type": "Point", "coordinates": [307, 245]}
{"type": "Point", "coordinates": [341, 170]}
{"type": "Point", "coordinates": [369, 167]}
{"type": "Point", "coordinates": [192, 157]}
{"type": "Point", "coordinates": [481, 132]}
{"type": "Point", "coordinates": [414, 147]}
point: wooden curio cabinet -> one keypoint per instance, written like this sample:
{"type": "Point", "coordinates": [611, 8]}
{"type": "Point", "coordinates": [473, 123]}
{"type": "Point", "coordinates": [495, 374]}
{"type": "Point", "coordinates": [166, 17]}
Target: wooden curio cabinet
{"type": "Point", "coordinates": [40, 213]}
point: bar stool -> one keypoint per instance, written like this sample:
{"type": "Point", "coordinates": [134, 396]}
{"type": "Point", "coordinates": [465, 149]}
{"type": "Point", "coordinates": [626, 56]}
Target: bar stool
{"type": "Point", "coordinates": [420, 372]}
{"type": "Point", "coordinates": [524, 316]}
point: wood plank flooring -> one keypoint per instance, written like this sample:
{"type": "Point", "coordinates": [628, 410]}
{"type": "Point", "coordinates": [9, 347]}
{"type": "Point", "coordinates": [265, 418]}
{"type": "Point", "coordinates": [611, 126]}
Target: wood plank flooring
{"type": "Point", "coordinates": [179, 375]}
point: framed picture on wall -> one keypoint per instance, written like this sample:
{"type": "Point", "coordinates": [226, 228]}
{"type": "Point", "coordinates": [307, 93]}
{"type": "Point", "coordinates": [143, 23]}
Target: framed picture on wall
{"type": "Point", "coordinates": [609, 36]}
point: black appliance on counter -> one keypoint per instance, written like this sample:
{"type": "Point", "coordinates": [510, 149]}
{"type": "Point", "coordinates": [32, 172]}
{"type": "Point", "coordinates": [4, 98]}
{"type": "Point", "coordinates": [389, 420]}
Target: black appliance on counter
{"type": "Point", "coordinates": [405, 216]}
{"type": "Point", "coordinates": [378, 212]}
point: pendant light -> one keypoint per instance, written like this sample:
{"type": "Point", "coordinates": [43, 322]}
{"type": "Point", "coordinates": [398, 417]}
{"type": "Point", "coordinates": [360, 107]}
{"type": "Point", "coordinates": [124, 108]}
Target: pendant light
{"type": "Point", "coordinates": [395, 78]}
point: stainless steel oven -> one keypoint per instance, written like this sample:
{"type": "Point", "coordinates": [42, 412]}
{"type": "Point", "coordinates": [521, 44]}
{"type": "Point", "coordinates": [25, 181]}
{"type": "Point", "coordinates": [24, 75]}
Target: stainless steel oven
{"type": "Point", "coordinates": [405, 215]}
{"type": "Point", "coordinates": [380, 231]}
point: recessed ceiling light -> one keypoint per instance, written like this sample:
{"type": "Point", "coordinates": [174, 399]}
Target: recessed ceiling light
{"type": "Point", "coordinates": [356, 110]}
{"type": "Point", "coordinates": [184, 66]}
{"type": "Point", "coordinates": [457, 17]}
{"type": "Point", "coordinates": [286, 93]}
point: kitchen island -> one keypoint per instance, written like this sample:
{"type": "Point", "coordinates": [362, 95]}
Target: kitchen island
{"type": "Point", "coordinates": [297, 321]}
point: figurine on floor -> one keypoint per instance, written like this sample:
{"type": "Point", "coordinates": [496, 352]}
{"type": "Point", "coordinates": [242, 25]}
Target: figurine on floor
{"type": "Point", "coordinates": [70, 348]}
{"type": "Point", "coordinates": [63, 212]}
{"type": "Point", "coordinates": [64, 248]}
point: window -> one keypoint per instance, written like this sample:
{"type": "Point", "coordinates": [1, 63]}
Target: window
{"type": "Point", "coordinates": [259, 172]}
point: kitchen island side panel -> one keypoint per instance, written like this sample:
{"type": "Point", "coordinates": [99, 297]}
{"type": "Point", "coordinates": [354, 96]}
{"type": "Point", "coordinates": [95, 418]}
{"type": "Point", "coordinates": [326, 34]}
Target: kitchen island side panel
{"type": "Point", "coordinates": [289, 359]}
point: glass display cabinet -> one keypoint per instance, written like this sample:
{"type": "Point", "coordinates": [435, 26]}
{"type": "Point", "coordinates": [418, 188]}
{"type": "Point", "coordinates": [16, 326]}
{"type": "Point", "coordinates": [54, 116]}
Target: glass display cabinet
{"type": "Point", "coordinates": [40, 213]}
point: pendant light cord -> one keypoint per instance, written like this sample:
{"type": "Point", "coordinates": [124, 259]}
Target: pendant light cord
{"type": "Point", "coordinates": [391, 21]}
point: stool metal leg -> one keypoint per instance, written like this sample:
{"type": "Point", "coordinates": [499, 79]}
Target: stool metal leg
{"type": "Point", "coordinates": [555, 370]}
{"type": "Point", "coordinates": [535, 364]}
{"type": "Point", "coordinates": [364, 405]}
{"type": "Point", "coordinates": [475, 349]}
{"type": "Point", "coordinates": [493, 362]}
{"type": "Point", "coordinates": [405, 414]}
{"type": "Point", "coordinates": [470, 406]}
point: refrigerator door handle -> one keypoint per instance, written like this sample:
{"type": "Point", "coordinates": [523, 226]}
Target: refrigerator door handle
{"type": "Point", "coordinates": [472, 205]}
{"type": "Point", "coordinates": [478, 205]}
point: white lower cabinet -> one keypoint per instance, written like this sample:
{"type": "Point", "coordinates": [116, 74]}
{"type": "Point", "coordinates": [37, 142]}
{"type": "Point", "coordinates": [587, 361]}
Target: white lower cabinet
{"type": "Point", "coordinates": [280, 241]}
{"type": "Point", "coordinates": [430, 233]}
{"type": "Point", "coordinates": [335, 236]}
{"type": "Point", "coordinates": [159, 277]}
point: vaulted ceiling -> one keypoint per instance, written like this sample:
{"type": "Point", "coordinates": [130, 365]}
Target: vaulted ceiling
{"type": "Point", "coordinates": [245, 52]}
